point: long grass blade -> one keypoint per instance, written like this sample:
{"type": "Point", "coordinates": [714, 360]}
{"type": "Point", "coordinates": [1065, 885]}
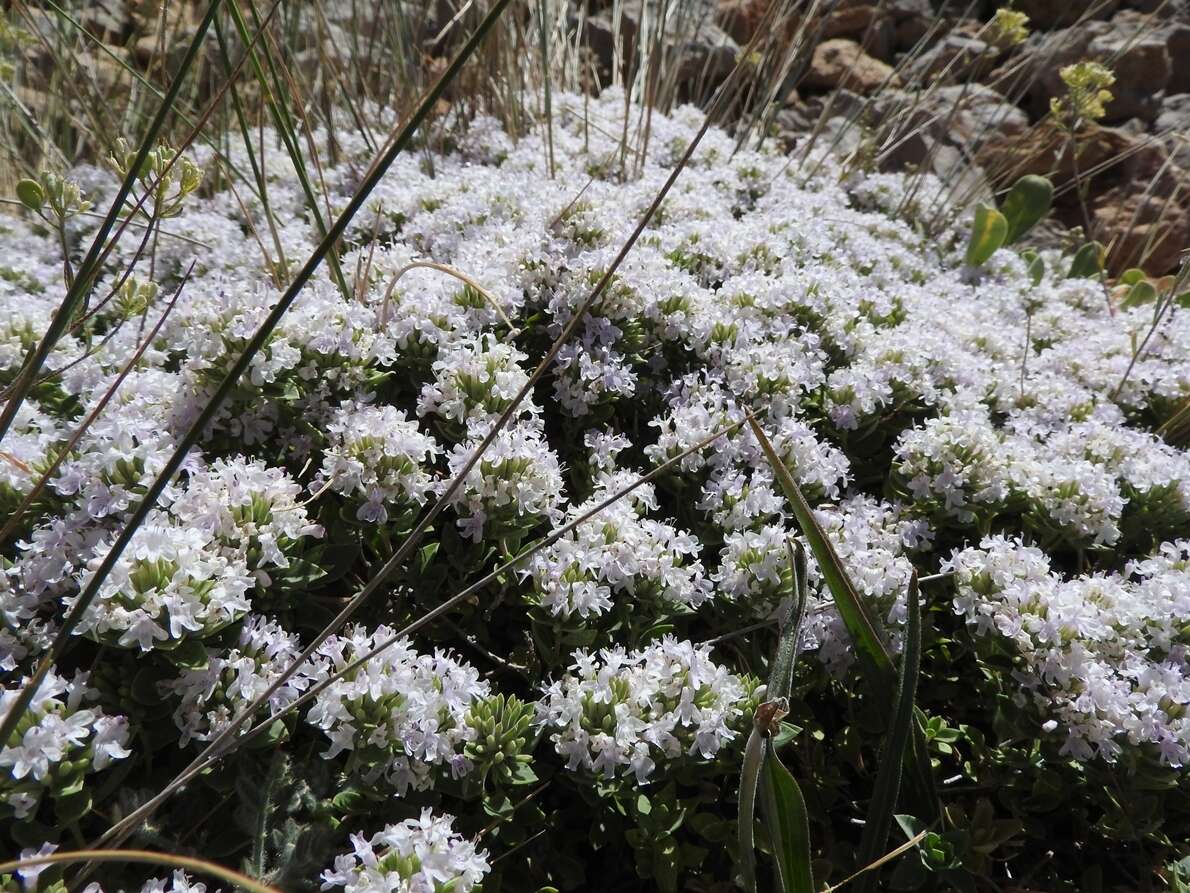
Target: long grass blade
{"type": "Point", "coordinates": [888, 776]}
{"type": "Point", "coordinates": [851, 608]}
{"type": "Point", "coordinates": [144, 857]}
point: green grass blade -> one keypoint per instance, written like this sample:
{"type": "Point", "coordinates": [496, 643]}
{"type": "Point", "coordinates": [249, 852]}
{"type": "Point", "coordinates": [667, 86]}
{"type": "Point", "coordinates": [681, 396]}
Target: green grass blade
{"type": "Point", "coordinates": [745, 823]}
{"type": "Point", "coordinates": [89, 267]}
{"type": "Point", "coordinates": [789, 827]}
{"type": "Point", "coordinates": [859, 622]}
{"type": "Point", "coordinates": [888, 777]}
{"type": "Point", "coordinates": [777, 697]}
{"type": "Point", "coordinates": [873, 655]}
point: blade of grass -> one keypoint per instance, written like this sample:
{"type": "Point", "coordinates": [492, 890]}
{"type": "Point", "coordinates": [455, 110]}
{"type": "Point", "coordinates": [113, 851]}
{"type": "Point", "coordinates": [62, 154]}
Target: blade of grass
{"type": "Point", "coordinates": [859, 622]}
{"type": "Point", "coordinates": [202, 866]}
{"type": "Point", "coordinates": [888, 777]}
{"type": "Point", "coordinates": [777, 693]}
{"type": "Point", "coordinates": [284, 126]}
{"type": "Point", "coordinates": [89, 267]}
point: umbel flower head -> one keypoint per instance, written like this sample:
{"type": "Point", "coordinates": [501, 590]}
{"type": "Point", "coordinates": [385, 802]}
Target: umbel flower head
{"type": "Point", "coordinates": [400, 715]}
{"type": "Point", "coordinates": [1087, 95]}
{"type": "Point", "coordinates": [57, 742]}
{"type": "Point", "coordinates": [423, 855]}
{"type": "Point", "coordinates": [618, 711]}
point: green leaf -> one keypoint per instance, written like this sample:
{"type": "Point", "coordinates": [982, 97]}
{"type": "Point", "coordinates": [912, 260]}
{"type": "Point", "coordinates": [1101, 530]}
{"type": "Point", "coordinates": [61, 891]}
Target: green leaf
{"type": "Point", "coordinates": [888, 778]}
{"type": "Point", "coordinates": [72, 807]}
{"type": "Point", "coordinates": [1131, 276]}
{"type": "Point", "coordinates": [1143, 292]}
{"type": "Point", "coordinates": [1027, 202]}
{"type": "Point", "coordinates": [988, 232]}
{"type": "Point", "coordinates": [30, 194]}
{"type": "Point", "coordinates": [789, 827]}
{"type": "Point", "coordinates": [1088, 261]}
{"type": "Point", "coordinates": [749, 782]}
{"type": "Point", "coordinates": [779, 685]}
{"type": "Point", "coordinates": [1036, 270]}
{"type": "Point", "coordinates": [856, 617]}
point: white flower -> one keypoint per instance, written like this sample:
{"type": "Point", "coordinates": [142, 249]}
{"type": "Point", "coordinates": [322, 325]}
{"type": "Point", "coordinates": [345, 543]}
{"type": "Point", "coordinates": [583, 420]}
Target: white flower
{"type": "Point", "coordinates": [421, 855]}
{"type": "Point", "coordinates": [620, 710]}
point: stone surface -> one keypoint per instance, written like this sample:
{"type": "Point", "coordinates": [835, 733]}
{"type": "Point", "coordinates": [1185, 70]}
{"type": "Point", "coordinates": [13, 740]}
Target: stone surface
{"type": "Point", "coordinates": [1173, 128]}
{"type": "Point", "coordinates": [955, 58]}
{"type": "Point", "coordinates": [843, 63]}
{"type": "Point", "coordinates": [1141, 65]}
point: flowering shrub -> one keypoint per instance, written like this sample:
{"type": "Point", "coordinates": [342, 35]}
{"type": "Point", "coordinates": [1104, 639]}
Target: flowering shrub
{"type": "Point", "coordinates": [576, 717]}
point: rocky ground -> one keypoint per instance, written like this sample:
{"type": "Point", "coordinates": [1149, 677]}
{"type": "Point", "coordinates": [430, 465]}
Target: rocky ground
{"type": "Point", "coordinates": [928, 83]}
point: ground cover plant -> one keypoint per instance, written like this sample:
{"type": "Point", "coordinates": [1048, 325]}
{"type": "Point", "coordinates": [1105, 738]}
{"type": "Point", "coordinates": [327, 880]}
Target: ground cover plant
{"type": "Point", "coordinates": [682, 513]}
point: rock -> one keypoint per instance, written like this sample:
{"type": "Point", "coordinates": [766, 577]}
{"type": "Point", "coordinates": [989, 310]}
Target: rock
{"type": "Point", "coordinates": [706, 52]}
{"type": "Point", "coordinates": [970, 115]}
{"type": "Point", "coordinates": [954, 59]}
{"type": "Point", "coordinates": [1141, 65]}
{"type": "Point", "coordinates": [866, 23]}
{"type": "Point", "coordinates": [843, 63]}
{"type": "Point", "coordinates": [1177, 44]}
{"type": "Point", "coordinates": [740, 18]}
{"type": "Point", "coordinates": [1145, 224]}
{"type": "Point", "coordinates": [1173, 128]}
{"type": "Point", "coordinates": [1047, 14]}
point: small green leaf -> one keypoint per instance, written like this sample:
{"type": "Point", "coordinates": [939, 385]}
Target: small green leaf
{"type": "Point", "coordinates": [72, 807]}
{"type": "Point", "coordinates": [987, 234]}
{"type": "Point", "coordinates": [1088, 261]}
{"type": "Point", "coordinates": [1143, 292]}
{"type": "Point", "coordinates": [1026, 203]}
{"type": "Point", "coordinates": [1131, 276]}
{"type": "Point", "coordinates": [789, 827]}
{"type": "Point", "coordinates": [1036, 270]}
{"type": "Point", "coordinates": [749, 781]}
{"type": "Point", "coordinates": [30, 194]}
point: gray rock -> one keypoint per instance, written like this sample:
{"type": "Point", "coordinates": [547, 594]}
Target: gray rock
{"type": "Point", "coordinates": [1141, 65]}
{"type": "Point", "coordinates": [1173, 127]}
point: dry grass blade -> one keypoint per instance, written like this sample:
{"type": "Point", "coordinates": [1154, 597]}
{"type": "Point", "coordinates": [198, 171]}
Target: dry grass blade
{"type": "Point", "coordinates": [145, 857]}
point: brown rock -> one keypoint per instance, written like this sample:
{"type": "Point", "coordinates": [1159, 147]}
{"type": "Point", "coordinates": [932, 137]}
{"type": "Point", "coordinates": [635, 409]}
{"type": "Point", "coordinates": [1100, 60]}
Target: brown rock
{"type": "Point", "coordinates": [741, 18]}
{"type": "Point", "coordinates": [1141, 65]}
{"type": "Point", "coordinates": [1046, 14]}
{"type": "Point", "coordinates": [843, 63]}
{"type": "Point", "coordinates": [1177, 44]}
{"type": "Point", "coordinates": [1145, 225]}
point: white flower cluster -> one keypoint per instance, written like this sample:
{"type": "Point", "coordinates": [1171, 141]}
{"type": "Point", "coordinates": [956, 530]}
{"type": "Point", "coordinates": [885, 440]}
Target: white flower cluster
{"type": "Point", "coordinates": [378, 457]}
{"type": "Point", "coordinates": [516, 484]}
{"type": "Point", "coordinates": [619, 554]}
{"type": "Point", "coordinates": [1105, 655]}
{"type": "Point", "coordinates": [57, 741]}
{"type": "Point", "coordinates": [422, 855]}
{"type": "Point", "coordinates": [401, 714]}
{"type": "Point", "coordinates": [210, 697]}
{"type": "Point", "coordinates": [251, 510]}
{"type": "Point", "coordinates": [168, 585]}
{"type": "Point", "coordinates": [475, 380]}
{"type": "Point", "coordinates": [618, 711]}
